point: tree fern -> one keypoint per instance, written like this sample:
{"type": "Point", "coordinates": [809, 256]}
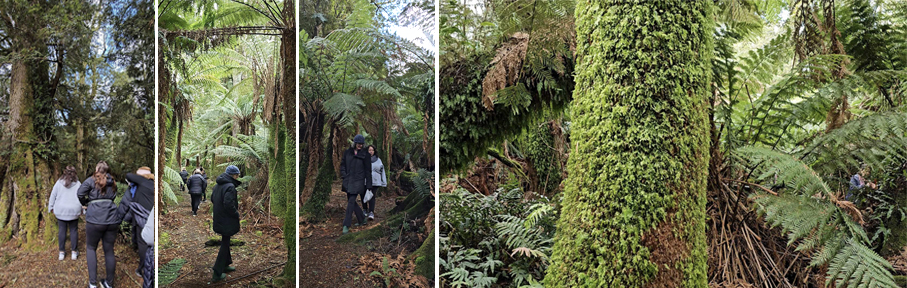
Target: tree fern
{"type": "Point", "coordinates": [812, 215]}
{"type": "Point", "coordinates": [873, 141]}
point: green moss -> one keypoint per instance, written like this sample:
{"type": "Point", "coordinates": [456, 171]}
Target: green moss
{"type": "Point", "coordinates": [313, 209]}
{"type": "Point", "coordinates": [544, 159]}
{"type": "Point", "coordinates": [424, 257]}
{"type": "Point", "coordinates": [277, 174]}
{"type": "Point", "coordinates": [638, 165]}
{"type": "Point", "coordinates": [289, 220]}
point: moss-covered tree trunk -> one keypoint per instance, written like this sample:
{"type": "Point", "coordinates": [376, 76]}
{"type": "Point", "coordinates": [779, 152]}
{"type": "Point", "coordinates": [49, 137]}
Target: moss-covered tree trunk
{"type": "Point", "coordinates": [313, 208]}
{"type": "Point", "coordinates": [633, 213]}
{"type": "Point", "coordinates": [288, 41]}
{"type": "Point", "coordinates": [277, 173]}
{"type": "Point", "coordinates": [27, 175]}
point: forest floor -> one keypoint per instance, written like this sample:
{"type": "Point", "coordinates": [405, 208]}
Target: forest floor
{"type": "Point", "coordinates": [323, 262]}
{"type": "Point", "coordinates": [260, 258]}
{"type": "Point", "coordinates": [21, 268]}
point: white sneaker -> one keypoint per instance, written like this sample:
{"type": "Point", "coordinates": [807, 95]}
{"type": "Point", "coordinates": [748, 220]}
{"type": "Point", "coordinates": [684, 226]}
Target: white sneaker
{"type": "Point", "coordinates": [92, 285]}
{"type": "Point", "coordinates": [75, 255]}
{"type": "Point", "coordinates": [371, 215]}
{"type": "Point", "coordinates": [62, 255]}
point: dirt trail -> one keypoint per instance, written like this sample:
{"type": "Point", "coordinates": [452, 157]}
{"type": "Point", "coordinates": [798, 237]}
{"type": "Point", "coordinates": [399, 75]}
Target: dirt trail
{"type": "Point", "coordinates": [325, 263]}
{"type": "Point", "coordinates": [19, 268]}
{"type": "Point", "coordinates": [186, 236]}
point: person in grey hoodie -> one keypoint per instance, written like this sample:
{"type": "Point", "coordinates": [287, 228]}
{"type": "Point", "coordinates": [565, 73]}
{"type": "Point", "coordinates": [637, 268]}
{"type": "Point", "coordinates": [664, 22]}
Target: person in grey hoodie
{"type": "Point", "coordinates": [102, 222]}
{"type": "Point", "coordinates": [65, 205]}
{"type": "Point", "coordinates": [379, 180]}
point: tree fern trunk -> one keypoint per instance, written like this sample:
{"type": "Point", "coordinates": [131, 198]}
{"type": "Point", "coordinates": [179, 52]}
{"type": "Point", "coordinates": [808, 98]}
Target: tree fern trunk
{"type": "Point", "coordinates": [277, 173]}
{"type": "Point", "coordinates": [633, 212]}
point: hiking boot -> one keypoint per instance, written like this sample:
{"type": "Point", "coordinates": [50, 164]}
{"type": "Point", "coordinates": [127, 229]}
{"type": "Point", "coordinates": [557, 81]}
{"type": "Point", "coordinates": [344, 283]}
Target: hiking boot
{"type": "Point", "coordinates": [216, 278]}
{"type": "Point", "coordinates": [62, 255]}
{"type": "Point", "coordinates": [346, 230]}
{"type": "Point", "coordinates": [364, 222]}
{"type": "Point", "coordinates": [74, 255]}
{"type": "Point", "coordinates": [230, 269]}
{"type": "Point", "coordinates": [371, 215]}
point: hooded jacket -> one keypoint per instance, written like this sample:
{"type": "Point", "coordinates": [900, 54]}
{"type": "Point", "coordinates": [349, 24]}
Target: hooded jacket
{"type": "Point", "coordinates": [64, 202]}
{"type": "Point", "coordinates": [197, 184]}
{"type": "Point", "coordinates": [225, 205]}
{"type": "Point", "coordinates": [355, 169]}
{"type": "Point", "coordinates": [101, 208]}
{"type": "Point", "coordinates": [379, 178]}
{"type": "Point", "coordinates": [184, 175]}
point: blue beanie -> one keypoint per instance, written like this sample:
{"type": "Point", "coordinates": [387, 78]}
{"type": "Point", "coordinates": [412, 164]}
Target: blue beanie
{"type": "Point", "coordinates": [232, 170]}
{"type": "Point", "coordinates": [359, 139]}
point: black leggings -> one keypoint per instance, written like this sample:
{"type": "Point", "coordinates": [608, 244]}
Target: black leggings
{"type": "Point", "coordinates": [107, 234]}
{"type": "Point", "coordinates": [73, 227]}
{"type": "Point", "coordinates": [196, 200]}
{"type": "Point", "coordinates": [352, 207]}
{"type": "Point", "coordinates": [369, 206]}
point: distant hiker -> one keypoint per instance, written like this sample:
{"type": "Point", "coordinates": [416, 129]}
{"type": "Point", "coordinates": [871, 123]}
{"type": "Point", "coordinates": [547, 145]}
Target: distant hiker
{"type": "Point", "coordinates": [857, 182]}
{"type": "Point", "coordinates": [184, 175]}
{"type": "Point", "coordinates": [355, 169]}
{"type": "Point", "coordinates": [204, 176]}
{"type": "Point", "coordinates": [64, 203]}
{"type": "Point", "coordinates": [379, 180]}
{"type": "Point", "coordinates": [226, 219]}
{"type": "Point", "coordinates": [103, 222]}
{"type": "Point", "coordinates": [197, 186]}
{"type": "Point", "coordinates": [136, 208]}
{"type": "Point", "coordinates": [148, 237]}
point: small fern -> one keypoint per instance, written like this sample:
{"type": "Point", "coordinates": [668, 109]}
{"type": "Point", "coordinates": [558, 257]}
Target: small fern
{"type": "Point", "coordinates": [169, 272]}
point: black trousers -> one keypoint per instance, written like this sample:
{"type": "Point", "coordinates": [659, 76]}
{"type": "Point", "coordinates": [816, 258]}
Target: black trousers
{"type": "Point", "coordinates": [352, 207]}
{"type": "Point", "coordinates": [143, 247]}
{"type": "Point", "coordinates": [196, 200]}
{"type": "Point", "coordinates": [94, 234]}
{"type": "Point", "coordinates": [223, 256]}
{"type": "Point", "coordinates": [73, 227]}
{"type": "Point", "coordinates": [369, 207]}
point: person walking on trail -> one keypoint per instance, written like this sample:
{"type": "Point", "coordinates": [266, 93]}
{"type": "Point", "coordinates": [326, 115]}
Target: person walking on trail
{"type": "Point", "coordinates": [184, 175]}
{"type": "Point", "coordinates": [148, 236]}
{"type": "Point", "coordinates": [197, 186]}
{"type": "Point", "coordinates": [379, 180]}
{"type": "Point", "coordinates": [355, 169]}
{"type": "Point", "coordinates": [205, 177]}
{"type": "Point", "coordinates": [226, 219]}
{"type": "Point", "coordinates": [103, 222]}
{"type": "Point", "coordinates": [64, 203]}
{"type": "Point", "coordinates": [136, 207]}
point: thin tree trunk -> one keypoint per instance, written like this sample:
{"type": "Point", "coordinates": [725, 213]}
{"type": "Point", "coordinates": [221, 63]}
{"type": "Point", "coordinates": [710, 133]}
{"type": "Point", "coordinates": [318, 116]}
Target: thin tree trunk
{"type": "Point", "coordinates": [179, 141]}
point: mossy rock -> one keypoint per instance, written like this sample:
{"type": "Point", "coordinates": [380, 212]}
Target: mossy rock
{"type": "Point", "coordinates": [425, 257]}
{"type": "Point", "coordinates": [215, 241]}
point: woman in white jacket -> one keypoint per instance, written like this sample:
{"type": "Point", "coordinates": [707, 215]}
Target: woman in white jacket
{"type": "Point", "coordinates": [379, 180]}
{"type": "Point", "coordinates": [64, 203]}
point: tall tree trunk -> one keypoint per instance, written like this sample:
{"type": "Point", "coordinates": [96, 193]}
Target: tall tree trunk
{"type": "Point", "coordinates": [288, 87]}
{"type": "Point", "coordinates": [179, 141]}
{"type": "Point", "coordinates": [633, 213]}
{"type": "Point", "coordinates": [315, 151]}
{"type": "Point", "coordinates": [163, 89]}
{"type": "Point", "coordinates": [277, 176]}
{"type": "Point", "coordinates": [426, 144]}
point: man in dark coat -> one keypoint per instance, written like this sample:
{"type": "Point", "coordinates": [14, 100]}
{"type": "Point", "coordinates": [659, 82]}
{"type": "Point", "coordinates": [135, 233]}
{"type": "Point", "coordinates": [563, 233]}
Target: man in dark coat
{"type": "Point", "coordinates": [356, 171]}
{"type": "Point", "coordinates": [184, 175]}
{"type": "Point", "coordinates": [197, 187]}
{"type": "Point", "coordinates": [225, 204]}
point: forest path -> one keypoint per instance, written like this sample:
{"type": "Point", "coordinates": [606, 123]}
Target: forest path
{"type": "Point", "coordinates": [21, 268]}
{"type": "Point", "coordinates": [186, 236]}
{"type": "Point", "coordinates": [325, 263]}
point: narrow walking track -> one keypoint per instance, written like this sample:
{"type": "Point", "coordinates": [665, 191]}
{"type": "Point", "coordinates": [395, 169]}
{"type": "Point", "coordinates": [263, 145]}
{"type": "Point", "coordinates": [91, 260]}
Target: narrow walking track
{"type": "Point", "coordinates": [325, 263]}
{"type": "Point", "coordinates": [183, 236]}
{"type": "Point", "coordinates": [21, 268]}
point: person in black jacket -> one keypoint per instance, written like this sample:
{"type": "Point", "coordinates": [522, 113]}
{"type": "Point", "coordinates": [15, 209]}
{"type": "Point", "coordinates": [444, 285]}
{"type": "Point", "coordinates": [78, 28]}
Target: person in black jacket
{"type": "Point", "coordinates": [226, 219]}
{"type": "Point", "coordinates": [356, 171]}
{"type": "Point", "coordinates": [102, 222]}
{"type": "Point", "coordinates": [184, 175]}
{"type": "Point", "coordinates": [136, 207]}
{"type": "Point", "coordinates": [197, 186]}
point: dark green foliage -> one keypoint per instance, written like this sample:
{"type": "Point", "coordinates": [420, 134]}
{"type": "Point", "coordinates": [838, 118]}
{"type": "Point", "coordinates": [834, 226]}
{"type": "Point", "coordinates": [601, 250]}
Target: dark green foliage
{"type": "Point", "coordinates": [480, 236]}
{"type": "Point", "coordinates": [541, 153]}
{"type": "Point", "coordinates": [638, 165]}
{"type": "Point", "coordinates": [468, 128]}
{"type": "Point", "coordinates": [314, 208]}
